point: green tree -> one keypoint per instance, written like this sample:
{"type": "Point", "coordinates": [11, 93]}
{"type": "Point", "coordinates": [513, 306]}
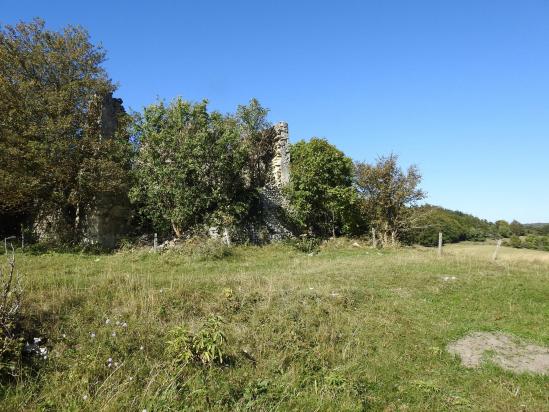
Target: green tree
{"type": "Point", "coordinates": [503, 228]}
{"type": "Point", "coordinates": [517, 229]}
{"type": "Point", "coordinates": [321, 189]}
{"type": "Point", "coordinates": [54, 158]}
{"type": "Point", "coordinates": [256, 133]}
{"type": "Point", "coordinates": [387, 193]}
{"type": "Point", "coordinates": [189, 167]}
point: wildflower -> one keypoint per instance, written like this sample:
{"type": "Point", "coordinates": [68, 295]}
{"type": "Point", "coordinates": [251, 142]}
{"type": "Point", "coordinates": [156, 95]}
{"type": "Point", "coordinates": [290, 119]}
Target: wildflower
{"type": "Point", "coordinates": [113, 334]}
{"type": "Point", "coordinates": [92, 334]}
{"type": "Point", "coordinates": [64, 336]}
{"type": "Point", "coordinates": [107, 321]}
{"type": "Point", "coordinates": [37, 340]}
{"type": "Point", "coordinates": [117, 322]}
{"type": "Point", "coordinates": [124, 325]}
{"type": "Point", "coordinates": [85, 397]}
{"type": "Point", "coordinates": [131, 378]}
{"type": "Point", "coordinates": [141, 348]}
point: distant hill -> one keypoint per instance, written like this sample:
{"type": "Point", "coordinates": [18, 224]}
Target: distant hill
{"type": "Point", "coordinates": [455, 226]}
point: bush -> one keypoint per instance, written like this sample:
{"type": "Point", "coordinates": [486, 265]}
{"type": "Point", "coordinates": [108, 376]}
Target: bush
{"type": "Point", "coordinates": [306, 244]}
{"type": "Point", "coordinates": [211, 249]}
{"type": "Point", "coordinates": [11, 340]}
{"type": "Point", "coordinates": [206, 347]}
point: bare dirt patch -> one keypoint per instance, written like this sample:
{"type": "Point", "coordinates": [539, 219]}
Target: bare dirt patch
{"type": "Point", "coordinates": [506, 351]}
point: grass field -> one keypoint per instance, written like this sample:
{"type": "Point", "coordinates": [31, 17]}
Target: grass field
{"type": "Point", "coordinates": [347, 329]}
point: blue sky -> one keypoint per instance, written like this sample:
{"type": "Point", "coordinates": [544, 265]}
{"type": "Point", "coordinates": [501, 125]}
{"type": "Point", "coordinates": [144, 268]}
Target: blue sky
{"type": "Point", "coordinates": [461, 88]}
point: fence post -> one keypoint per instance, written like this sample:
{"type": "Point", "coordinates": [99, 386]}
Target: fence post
{"type": "Point", "coordinates": [22, 238]}
{"type": "Point", "coordinates": [374, 240]}
{"type": "Point", "coordinates": [495, 255]}
{"type": "Point", "coordinates": [155, 244]}
{"type": "Point", "coordinates": [439, 244]}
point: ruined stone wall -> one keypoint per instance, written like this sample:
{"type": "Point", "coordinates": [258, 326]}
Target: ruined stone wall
{"type": "Point", "coordinates": [106, 219]}
{"type": "Point", "coordinates": [273, 200]}
{"type": "Point", "coordinates": [280, 165]}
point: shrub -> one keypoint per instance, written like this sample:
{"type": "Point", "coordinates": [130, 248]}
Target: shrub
{"type": "Point", "coordinates": [211, 249]}
{"type": "Point", "coordinates": [11, 341]}
{"type": "Point", "coordinates": [205, 347]}
{"type": "Point", "coordinates": [306, 244]}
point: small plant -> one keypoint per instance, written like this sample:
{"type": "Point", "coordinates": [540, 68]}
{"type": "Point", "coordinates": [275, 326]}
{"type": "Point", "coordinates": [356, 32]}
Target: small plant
{"type": "Point", "coordinates": [211, 249]}
{"type": "Point", "coordinates": [11, 343]}
{"type": "Point", "coordinates": [206, 347]}
{"type": "Point", "coordinates": [306, 244]}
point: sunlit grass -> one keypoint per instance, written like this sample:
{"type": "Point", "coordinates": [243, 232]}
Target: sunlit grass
{"type": "Point", "coordinates": [348, 329]}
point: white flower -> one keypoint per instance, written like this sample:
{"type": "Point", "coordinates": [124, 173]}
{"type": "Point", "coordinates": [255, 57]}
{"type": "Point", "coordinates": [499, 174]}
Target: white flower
{"type": "Point", "coordinates": [117, 322]}
{"type": "Point", "coordinates": [109, 360]}
{"type": "Point", "coordinates": [131, 378]}
{"type": "Point", "coordinates": [85, 397]}
{"type": "Point", "coordinates": [113, 334]}
{"type": "Point", "coordinates": [43, 350]}
{"type": "Point", "coordinates": [107, 321]}
{"type": "Point", "coordinates": [92, 334]}
{"type": "Point", "coordinates": [64, 335]}
{"type": "Point", "coordinates": [37, 340]}
{"type": "Point", "coordinates": [141, 348]}
{"type": "Point", "coordinates": [124, 325]}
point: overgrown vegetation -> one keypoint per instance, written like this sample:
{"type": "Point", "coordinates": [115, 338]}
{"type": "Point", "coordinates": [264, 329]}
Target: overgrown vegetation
{"type": "Point", "coordinates": [11, 337]}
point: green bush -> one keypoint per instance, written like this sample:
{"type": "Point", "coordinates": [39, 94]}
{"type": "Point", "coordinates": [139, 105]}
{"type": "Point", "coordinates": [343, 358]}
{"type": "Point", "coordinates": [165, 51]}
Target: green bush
{"type": "Point", "coordinates": [205, 347]}
{"type": "Point", "coordinates": [306, 244]}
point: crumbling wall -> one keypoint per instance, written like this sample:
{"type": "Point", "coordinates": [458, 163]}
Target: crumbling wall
{"type": "Point", "coordinates": [106, 219]}
{"type": "Point", "coordinates": [273, 200]}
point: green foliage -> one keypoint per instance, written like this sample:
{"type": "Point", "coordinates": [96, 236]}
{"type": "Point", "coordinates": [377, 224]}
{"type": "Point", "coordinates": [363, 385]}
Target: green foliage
{"type": "Point", "coordinates": [54, 159]}
{"type": "Point", "coordinates": [503, 228]}
{"type": "Point", "coordinates": [189, 167]}
{"type": "Point", "coordinates": [387, 193]}
{"type": "Point", "coordinates": [455, 226]}
{"type": "Point", "coordinates": [205, 347]}
{"type": "Point", "coordinates": [320, 191]}
{"type": "Point", "coordinates": [531, 241]}
{"type": "Point", "coordinates": [306, 244]}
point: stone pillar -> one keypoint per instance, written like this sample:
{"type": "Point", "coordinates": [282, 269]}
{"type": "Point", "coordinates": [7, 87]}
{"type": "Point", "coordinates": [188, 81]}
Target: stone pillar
{"type": "Point", "coordinates": [281, 159]}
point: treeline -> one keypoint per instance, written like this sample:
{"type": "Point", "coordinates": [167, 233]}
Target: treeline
{"type": "Point", "coordinates": [177, 168]}
{"type": "Point", "coordinates": [455, 226]}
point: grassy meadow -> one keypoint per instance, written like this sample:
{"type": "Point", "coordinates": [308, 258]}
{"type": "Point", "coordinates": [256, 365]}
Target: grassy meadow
{"type": "Point", "coordinates": [349, 329]}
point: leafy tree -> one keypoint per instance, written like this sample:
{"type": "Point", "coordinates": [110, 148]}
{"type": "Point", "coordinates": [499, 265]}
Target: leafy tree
{"type": "Point", "coordinates": [387, 194]}
{"type": "Point", "coordinates": [256, 134]}
{"type": "Point", "coordinates": [516, 228]}
{"type": "Point", "coordinates": [189, 167]}
{"type": "Point", "coordinates": [321, 189]}
{"type": "Point", "coordinates": [503, 228]}
{"type": "Point", "coordinates": [54, 159]}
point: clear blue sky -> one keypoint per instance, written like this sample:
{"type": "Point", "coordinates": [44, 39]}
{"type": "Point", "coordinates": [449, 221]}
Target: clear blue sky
{"type": "Point", "coordinates": [461, 88]}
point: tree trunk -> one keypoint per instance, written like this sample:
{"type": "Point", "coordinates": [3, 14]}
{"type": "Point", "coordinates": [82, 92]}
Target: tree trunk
{"type": "Point", "coordinates": [176, 230]}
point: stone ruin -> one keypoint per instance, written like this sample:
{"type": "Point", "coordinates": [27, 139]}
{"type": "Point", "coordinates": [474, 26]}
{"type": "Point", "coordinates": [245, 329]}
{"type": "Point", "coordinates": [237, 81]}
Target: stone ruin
{"type": "Point", "coordinates": [274, 202]}
{"type": "Point", "coordinates": [273, 224]}
{"type": "Point", "coordinates": [105, 220]}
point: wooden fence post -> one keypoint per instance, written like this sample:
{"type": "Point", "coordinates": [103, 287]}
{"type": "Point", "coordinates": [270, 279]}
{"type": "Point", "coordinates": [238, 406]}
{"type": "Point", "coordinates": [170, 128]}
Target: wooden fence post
{"type": "Point", "coordinates": [374, 240]}
{"type": "Point", "coordinates": [155, 244]}
{"type": "Point", "coordinates": [495, 255]}
{"type": "Point", "coordinates": [439, 244]}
